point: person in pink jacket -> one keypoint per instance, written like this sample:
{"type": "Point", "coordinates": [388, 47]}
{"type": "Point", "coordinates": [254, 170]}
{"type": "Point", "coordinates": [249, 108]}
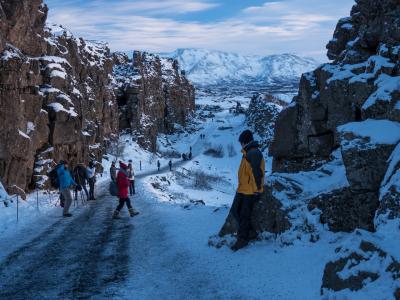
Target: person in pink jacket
{"type": "Point", "coordinates": [123, 183]}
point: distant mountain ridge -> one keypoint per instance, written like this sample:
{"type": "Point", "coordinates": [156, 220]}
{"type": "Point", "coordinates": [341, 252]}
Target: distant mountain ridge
{"type": "Point", "coordinates": [209, 67]}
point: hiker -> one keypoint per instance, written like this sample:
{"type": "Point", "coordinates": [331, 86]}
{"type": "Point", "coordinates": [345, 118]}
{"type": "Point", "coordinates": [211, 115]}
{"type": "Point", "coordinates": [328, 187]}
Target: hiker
{"type": "Point", "coordinates": [190, 155]}
{"type": "Point", "coordinates": [65, 183]}
{"type": "Point", "coordinates": [170, 165]}
{"type": "Point", "coordinates": [131, 176]}
{"type": "Point", "coordinates": [123, 185]}
{"type": "Point", "coordinates": [183, 156]}
{"type": "Point", "coordinates": [251, 185]}
{"type": "Point", "coordinates": [113, 172]}
{"type": "Point", "coordinates": [80, 177]}
{"type": "Point", "coordinates": [158, 165]}
{"type": "Point", "coordinates": [91, 174]}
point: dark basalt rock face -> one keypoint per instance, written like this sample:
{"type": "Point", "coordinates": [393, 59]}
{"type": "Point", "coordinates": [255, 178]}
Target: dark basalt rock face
{"type": "Point", "coordinates": [153, 95]}
{"type": "Point", "coordinates": [346, 209]}
{"type": "Point", "coordinates": [268, 216]}
{"type": "Point", "coordinates": [338, 106]}
{"type": "Point", "coordinates": [56, 101]}
{"type": "Point", "coordinates": [261, 116]}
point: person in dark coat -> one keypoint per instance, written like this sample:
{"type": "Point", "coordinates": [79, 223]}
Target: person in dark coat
{"type": "Point", "coordinates": [113, 172]}
{"type": "Point", "coordinates": [170, 165]}
{"type": "Point", "coordinates": [158, 165]}
{"type": "Point", "coordinates": [91, 174]}
{"type": "Point", "coordinates": [251, 185]}
{"type": "Point", "coordinates": [131, 176]}
{"type": "Point", "coordinates": [80, 177]}
{"type": "Point", "coordinates": [123, 192]}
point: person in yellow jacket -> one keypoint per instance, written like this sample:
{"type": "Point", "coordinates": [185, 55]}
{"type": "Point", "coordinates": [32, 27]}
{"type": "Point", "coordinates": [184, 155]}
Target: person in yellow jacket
{"type": "Point", "coordinates": [250, 186]}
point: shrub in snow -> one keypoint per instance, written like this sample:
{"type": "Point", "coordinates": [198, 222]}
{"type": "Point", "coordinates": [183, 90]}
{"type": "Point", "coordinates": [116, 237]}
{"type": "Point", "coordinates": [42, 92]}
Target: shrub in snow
{"type": "Point", "coordinates": [202, 180]}
{"type": "Point", "coordinates": [116, 148]}
{"type": "Point", "coordinates": [170, 154]}
{"type": "Point", "coordinates": [215, 151]}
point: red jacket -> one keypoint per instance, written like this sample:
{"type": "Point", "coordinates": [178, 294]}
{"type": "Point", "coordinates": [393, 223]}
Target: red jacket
{"type": "Point", "coordinates": [123, 183]}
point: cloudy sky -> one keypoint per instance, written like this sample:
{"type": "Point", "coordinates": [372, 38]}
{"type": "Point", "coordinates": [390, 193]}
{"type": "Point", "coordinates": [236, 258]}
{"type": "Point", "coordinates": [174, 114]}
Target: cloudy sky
{"type": "Point", "coordinates": [244, 26]}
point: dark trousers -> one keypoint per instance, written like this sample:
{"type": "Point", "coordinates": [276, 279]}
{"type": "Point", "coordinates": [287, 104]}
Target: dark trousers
{"type": "Point", "coordinates": [122, 201]}
{"type": "Point", "coordinates": [92, 181]}
{"type": "Point", "coordinates": [84, 188]}
{"type": "Point", "coordinates": [242, 209]}
{"type": "Point", "coordinates": [132, 187]}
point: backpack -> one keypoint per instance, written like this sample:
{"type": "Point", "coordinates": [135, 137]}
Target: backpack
{"type": "Point", "coordinates": [53, 176]}
{"type": "Point", "coordinates": [113, 188]}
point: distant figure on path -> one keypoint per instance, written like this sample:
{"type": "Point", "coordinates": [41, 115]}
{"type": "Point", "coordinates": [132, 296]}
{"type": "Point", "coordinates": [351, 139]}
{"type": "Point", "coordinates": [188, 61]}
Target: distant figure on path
{"type": "Point", "coordinates": [158, 165]}
{"type": "Point", "coordinates": [80, 177]}
{"type": "Point", "coordinates": [123, 185]}
{"type": "Point", "coordinates": [66, 183]}
{"type": "Point", "coordinates": [113, 172]}
{"type": "Point", "coordinates": [91, 174]}
{"type": "Point", "coordinates": [190, 155]}
{"type": "Point", "coordinates": [251, 185]}
{"type": "Point", "coordinates": [170, 165]}
{"type": "Point", "coordinates": [131, 175]}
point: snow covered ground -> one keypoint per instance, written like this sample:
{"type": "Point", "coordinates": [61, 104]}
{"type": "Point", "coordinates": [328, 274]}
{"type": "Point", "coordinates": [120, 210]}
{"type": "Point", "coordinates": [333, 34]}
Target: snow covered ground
{"type": "Point", "coordinates": [165, 252]}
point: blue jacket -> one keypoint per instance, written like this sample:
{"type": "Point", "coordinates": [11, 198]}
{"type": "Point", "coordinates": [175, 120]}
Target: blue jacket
{"type": "Point", "coordinates": [65, 178]}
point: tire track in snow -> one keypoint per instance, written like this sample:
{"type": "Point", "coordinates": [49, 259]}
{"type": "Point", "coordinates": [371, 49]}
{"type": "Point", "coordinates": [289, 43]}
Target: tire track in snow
{"type": "Point", "coordinates": [71, 260]}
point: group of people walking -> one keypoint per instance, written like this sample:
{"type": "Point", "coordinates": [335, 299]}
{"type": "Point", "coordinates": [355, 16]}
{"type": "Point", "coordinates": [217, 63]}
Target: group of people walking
{"type": "Point", "coordinates": [250, 186]}
{"type": "Point", "coordinates": [62, 179]}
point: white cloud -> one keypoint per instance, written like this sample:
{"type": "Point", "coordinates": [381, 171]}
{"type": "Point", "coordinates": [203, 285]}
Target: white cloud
{"type": "Point", "coordinates": [296, 26]}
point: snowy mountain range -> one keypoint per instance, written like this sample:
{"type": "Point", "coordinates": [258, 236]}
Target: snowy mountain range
{"type": "Point", "coordinates": [209, 67]}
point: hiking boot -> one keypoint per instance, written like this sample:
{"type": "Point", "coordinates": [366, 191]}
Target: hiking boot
{"type": "Point", "coordinates": [133, 212]}
{"type": "Point", "coordinates": [116, 215]}
{"type": "Point", "coordinates": [239, 245]}
{"type": "Point", "coordinates": [67, 215]}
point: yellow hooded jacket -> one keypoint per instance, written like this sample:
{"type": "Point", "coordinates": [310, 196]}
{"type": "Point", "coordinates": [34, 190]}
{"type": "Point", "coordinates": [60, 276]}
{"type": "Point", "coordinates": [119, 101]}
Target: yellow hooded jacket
{"type": "Point", "coordinates": [251, 170]}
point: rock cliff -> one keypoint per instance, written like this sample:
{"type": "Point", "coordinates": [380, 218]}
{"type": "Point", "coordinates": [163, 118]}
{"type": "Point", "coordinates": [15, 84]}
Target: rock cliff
{"type": "Point", "coordinates": [153, 96]}
{"type": "Point", "coordinates": [347, 116]}
{"type": "Point", "coordinates": [56, 98]}
{"type": "Point", "coordinates": [353, 104]}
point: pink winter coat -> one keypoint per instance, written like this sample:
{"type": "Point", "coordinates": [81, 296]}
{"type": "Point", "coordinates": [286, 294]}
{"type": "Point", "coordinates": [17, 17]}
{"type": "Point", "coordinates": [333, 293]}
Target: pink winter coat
{"type": "Point", "coordinates": [123, 183]}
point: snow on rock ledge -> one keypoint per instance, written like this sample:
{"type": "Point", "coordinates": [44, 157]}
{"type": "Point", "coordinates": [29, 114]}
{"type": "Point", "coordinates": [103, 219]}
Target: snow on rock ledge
{"type": "Point", "coordinates": [369, 134]}
{"type": "Point", "coordinates": [366, 147]}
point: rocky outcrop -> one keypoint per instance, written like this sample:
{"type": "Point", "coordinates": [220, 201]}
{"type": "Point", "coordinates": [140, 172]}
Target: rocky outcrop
{"type": "Point", "coordinates": [356, 268]}
{"type": "Point", "coordinates": [56, 98]}
{"type": "Point", "coordinates": [261, 116]}
{"type": "Point", "coordinates": [154, 96]}
{"type": "Point", "coordinates": [268, 216]}
{"type": "Point", "coordinates": [346, 209]}
{"type": "Point", "coordinates": [353, 104]}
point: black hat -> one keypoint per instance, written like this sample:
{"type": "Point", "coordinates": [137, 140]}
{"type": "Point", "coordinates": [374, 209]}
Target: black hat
{"type": "Point", "coordinates": [246, 137]}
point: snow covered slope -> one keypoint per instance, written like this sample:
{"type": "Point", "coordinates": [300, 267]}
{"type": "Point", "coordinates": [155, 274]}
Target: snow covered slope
{"type": "Point", "coordinates": [208, 67]}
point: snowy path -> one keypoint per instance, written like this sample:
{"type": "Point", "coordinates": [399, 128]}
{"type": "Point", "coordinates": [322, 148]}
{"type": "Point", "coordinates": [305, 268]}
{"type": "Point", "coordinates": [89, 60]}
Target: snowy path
{"type": "Point", "coordinates": [92, 256]}
{"type": "Point", "coordinates": [72, 258]}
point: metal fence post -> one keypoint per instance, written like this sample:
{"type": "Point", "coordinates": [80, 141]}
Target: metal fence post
{"type": "Point", "coordinates": [37, 199]}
